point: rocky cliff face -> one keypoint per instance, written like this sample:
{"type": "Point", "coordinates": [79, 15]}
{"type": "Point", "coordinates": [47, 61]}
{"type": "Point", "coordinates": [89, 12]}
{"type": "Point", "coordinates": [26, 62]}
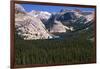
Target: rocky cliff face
{"type": "Point", "coordinates": [69, 20]}
{"type": "Point", "coordinates": [42, 15]}
{"type": "Point", "coordinates": [29, 27]}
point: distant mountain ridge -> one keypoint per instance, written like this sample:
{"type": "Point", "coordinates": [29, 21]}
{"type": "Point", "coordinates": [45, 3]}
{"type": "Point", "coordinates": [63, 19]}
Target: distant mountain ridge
{"type": "Point", "coordinates": [42, 24]}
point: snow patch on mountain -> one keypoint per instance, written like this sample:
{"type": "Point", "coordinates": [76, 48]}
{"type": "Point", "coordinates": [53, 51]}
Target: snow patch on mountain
{"type": "Point", "coordinates": [43, 15]}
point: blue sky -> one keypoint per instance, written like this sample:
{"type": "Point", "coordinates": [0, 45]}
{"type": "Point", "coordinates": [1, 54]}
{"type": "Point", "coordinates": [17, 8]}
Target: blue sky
{"type": "Point", "coordinates": [30, 7]}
